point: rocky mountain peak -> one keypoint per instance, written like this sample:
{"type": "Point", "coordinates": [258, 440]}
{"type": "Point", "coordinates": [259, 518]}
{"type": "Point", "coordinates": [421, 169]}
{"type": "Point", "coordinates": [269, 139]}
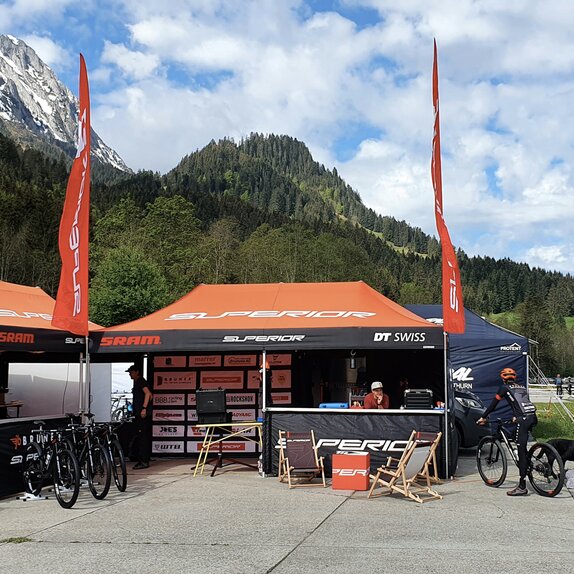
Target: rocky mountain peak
{"type": "Point", "coordinates": [33, 100]}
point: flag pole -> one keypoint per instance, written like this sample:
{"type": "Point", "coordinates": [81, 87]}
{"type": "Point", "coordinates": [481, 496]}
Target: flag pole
{"type": "Point", "coordinates": [71, 308]}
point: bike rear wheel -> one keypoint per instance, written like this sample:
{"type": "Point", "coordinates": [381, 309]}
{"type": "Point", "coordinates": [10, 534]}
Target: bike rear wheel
{"type": "Point", "coordinates": [66, 474]}
{"type": "Point", "coordinates": [118, 465]}
{"type": "Point", "coordinates": [491, 461]}
{"type": "Point", "coordinates": [33, 469]}
{"type": "Point", "coordinates": [545, 469]}
{"type": "Point", "coordinates": [99, 471]}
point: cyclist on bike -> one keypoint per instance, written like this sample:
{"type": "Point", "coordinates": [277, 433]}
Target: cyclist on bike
{"type": "Point", "coordinates": [524, 415]}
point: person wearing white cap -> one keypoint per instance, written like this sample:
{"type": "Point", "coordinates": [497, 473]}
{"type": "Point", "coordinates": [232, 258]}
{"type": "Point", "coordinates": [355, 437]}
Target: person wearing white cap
{"type": "Point", "coordinates": [376, 399]}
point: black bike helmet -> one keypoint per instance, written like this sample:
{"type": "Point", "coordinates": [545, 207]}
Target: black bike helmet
{"type": "Point", "coordinates": [508, 374]}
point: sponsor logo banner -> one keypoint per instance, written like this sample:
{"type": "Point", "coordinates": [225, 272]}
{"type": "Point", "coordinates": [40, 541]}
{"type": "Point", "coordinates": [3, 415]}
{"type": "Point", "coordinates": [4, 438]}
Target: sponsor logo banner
{"type": "Point", "coordinates": [191, 400]}
{"type": "Point", "coordinates": [173, 361]}
{"type": "Point", "coordinates": [194, 432]}
{"type": "Point", "coordinates": [240, 399]}
{"type": "Point", "coordinates": [168, 399]}
{"type": "Point", "coordinates": [279, 359]}
{"type": "Point", "coordinates": [262, 338]}
{"type": "Point", "coordinates": [253, 380]}
{"type": "Point", "coordinates": [272, 315]}
{"type": "Point", "coordinates": [167, 447]}
{"type": "Point", "coordinates": [281, 398]}
{"type": "Point", "coordinates": [399, 337]}
{"type": "Point", "coordinates": [221, 379]}
{"type": "Point", "coordinates": [462, 374]}
{"type": "Point", "coordinates": [132, 341]}
{"type": "Point", "coordinates": [192, 416]}
{"type": "Point", "coordinates": [168, 415]}
{"type": "Point", "coordinates": [239, 360]}
{"type": "Point", "coordinates": [205, 361]}
{"type": "Point", "coordinates": [25, 314]}
{"type": "Point", "coordinates": [177, 381]}
{"type": "Point", "coordinates": [226, 446]}
{"type": "Point", "coordinates": [241, 415]}
{"type": "Point", "coordinates": [281, 379]}
{"type": "Point", "coordinates": [168, 430]}
{"type": "Point", "coordinates": [20, 338]}
{"type": "Point", "coordinates": [379, 436]}
{"type": "Point", "coordinates": [514, 348]}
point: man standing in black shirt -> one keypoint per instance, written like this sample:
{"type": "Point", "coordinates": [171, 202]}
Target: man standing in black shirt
{"type": "Point", "coordinates": [524, 412]}
{"type": "Point", "coordinates": [142, 396]}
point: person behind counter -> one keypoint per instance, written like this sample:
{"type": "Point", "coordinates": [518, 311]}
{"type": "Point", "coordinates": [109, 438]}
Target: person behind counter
{"type": "Point", "coordinates": [376, 399]}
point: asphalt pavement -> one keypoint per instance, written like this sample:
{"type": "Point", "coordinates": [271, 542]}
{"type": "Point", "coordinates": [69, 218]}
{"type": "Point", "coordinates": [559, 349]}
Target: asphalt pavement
{"type": "Point", "coordinates": [237, 522]}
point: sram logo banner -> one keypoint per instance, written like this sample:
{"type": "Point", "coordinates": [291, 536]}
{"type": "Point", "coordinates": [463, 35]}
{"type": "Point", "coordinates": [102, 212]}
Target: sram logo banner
{"type": "Point", "coordinates": [10, 337]}
{"type": "Point", "coordinates": [133, 341]}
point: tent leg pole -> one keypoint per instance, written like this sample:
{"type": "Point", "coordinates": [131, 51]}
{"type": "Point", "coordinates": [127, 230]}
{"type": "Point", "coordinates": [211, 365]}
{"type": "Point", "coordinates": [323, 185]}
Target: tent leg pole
{"type": "Point", "coordinates": [447, 407]}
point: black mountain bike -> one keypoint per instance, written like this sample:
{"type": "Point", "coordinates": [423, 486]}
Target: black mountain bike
{"type": "Point", "coordinates": [107, 436]}
{"type": "Point", "coordinates": [93, 457]}
{"type": "Point", "coordinates": [545, 469]}
{"type": "Point", "coordinates": [46, 458]}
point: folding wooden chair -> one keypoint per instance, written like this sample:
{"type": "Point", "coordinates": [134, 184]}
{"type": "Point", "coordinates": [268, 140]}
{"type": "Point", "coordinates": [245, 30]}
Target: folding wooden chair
{"type": "Point", "coordinates": [400, 475]}
{"type": "Point", "coordinates": [429, 471]}
{"type": "Point", "coordinates": [298, 459]}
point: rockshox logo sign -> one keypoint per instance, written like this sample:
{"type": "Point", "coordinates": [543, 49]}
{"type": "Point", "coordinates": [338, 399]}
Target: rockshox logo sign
{"type": "Point", "coordinates": [262, 338]}
{"type": "Point", "coordinates": [273, 315]}
{"type": "Point", "coordinates": [10, 337]}
{"type": "Point", "coordinates": [132, 341]}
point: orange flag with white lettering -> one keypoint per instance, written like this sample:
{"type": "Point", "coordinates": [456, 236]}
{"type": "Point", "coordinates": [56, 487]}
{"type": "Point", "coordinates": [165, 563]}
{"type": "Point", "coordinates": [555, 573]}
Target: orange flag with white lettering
{"type": "Point", "coordinates": [452, 305]}
{"type": "Point", "coordinates": [71, 309]}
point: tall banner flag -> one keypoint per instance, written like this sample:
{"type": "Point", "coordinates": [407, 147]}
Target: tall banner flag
{"type": "Point", "coordinates": [71, 309]}
{"type": "Point", "coordinates": [453, 308]}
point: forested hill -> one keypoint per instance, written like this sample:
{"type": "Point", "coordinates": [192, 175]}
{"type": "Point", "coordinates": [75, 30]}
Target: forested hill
{"type": "Point", "coordinates": [278, 173]}
{"type": "Point", "coordinates": [261, 210]}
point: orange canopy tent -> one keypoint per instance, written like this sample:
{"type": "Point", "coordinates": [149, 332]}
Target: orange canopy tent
{"type": "Point", "coordinates": [25, 322]}
{"type": "Point", "coordinates": [274, 316]}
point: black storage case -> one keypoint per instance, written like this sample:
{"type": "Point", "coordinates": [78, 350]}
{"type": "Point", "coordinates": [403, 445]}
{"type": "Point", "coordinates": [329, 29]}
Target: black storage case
{"type": "Point", "coordinates": [211, 406]}
{"type": "Point", "coordinates": [418, 399]}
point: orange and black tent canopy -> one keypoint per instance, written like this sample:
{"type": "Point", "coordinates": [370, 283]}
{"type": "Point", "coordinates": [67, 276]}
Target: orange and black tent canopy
{"type": "Point", "coordinates": [274, 316]}
{"type": "Point", "coordinates": [25, 322]}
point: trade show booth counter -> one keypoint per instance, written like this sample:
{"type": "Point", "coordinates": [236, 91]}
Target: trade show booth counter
{"type": "Point", "coordinates": [381, 433]}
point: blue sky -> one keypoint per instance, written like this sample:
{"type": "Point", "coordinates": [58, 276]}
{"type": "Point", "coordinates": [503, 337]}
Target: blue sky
{"type": "Point", "coordinates": [351, 79]}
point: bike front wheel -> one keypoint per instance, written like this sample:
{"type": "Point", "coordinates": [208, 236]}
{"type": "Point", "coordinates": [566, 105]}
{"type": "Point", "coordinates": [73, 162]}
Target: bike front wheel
{"type": "Point", "coordinates": [33, 469]}
{"type": "Point", "coordinates": [99, 471]}
{"type": "Point", "coordinates": [545, 469]}
{"type": "Point", "coordinates": [66, 476]}
{"type": "Point", "coordinates": [118, 461]}
{"type": "Point", "coordinates": [491, 461]}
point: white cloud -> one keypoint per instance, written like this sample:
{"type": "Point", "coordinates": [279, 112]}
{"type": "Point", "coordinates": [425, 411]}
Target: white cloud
{"type": "Point", "coordinates": [196, 70]}
{"type": "Point", "coordinates": [132, 63]}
